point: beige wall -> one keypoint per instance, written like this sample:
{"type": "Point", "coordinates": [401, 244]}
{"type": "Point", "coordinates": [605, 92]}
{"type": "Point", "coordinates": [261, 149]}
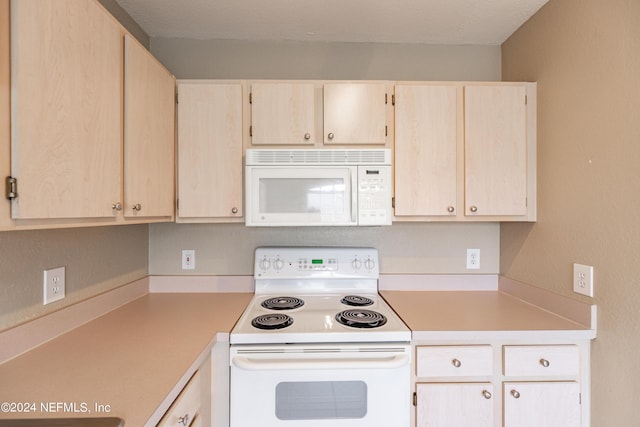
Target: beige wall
{"type": "Point", "coordinates": [404, 248]}
{"type": "Point", "coordinates": [96, 260]}
{"type": "Point", "coordinates": [585, 55]}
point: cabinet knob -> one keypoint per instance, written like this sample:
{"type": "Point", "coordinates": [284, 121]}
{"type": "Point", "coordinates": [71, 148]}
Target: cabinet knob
{"type": "Point", "coordinates": [184, 420]}
{"type": "Point", "coordinates": [486, 394]}
{"type": "Point", "coordinates": [330, 136]}
{"type": "Point", "coordinates": [473, 209]}
{"type": "Point", "coordinates": [116, 206]}
{"type": "Point", "coordinates": [456, 363]}
{"type": "Point", "coordinates": [544, 362]}
{"type": "Point", "coordinates": [137, 207]}
{"type": "Point", "coordinates": [451, 209]}
{"type": "Point", "coordinates": [515, 394]}
{"type": "Point", "coordinates": [234, 210]}
{"type": "Point", "coordinates": [307, 136]}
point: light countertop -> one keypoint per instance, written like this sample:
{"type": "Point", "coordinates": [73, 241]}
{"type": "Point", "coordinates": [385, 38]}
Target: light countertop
{"type": "Point", "coordinates": [130, 358]}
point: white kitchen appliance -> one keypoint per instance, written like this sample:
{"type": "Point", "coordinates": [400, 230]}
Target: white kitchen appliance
{"type": "Point", "coordinates": [317, 346]}
{"type": "Point", "coordinates": [307, 187]}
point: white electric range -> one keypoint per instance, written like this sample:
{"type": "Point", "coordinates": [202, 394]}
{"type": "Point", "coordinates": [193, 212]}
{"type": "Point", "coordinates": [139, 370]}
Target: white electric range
{"type": "Point", "coordinates": [318, 345]}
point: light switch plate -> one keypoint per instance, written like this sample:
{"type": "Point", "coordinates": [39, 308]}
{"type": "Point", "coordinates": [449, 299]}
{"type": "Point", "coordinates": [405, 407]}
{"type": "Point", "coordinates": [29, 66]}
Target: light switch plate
{"type": "Point", "coordinates": [583, 279]}
{"type": "Point", "coordinates": [54, 285]}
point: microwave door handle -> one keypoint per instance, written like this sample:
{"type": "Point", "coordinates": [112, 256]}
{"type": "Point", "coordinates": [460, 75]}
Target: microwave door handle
{"type": "Point", "coordinates": [353, 195]}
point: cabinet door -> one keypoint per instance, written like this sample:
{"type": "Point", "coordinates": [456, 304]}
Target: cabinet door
{"type": "Point", "coordinates": [282, 114]}
{"type": "Point", "coordinates": [355, 113]}
{"type": "Point", "coordinates": [149, 137]}
{"type": "Point", "coordinates": [425, 150]}
{"type": "Point", "coordinates": [542, 404]}
{"type": "Point", "coordinates": [209, 150]}
{"type": "Point", "coordinates": [495, 150]}
{"type": "Point", "coordinates": [66, 90]}
{"type": "Point", "coordinates": [454, 405]}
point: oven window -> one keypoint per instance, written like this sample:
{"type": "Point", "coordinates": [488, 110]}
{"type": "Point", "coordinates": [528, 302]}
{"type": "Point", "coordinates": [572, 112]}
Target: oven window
{"type": "Point", "coordinates": [321, 400]}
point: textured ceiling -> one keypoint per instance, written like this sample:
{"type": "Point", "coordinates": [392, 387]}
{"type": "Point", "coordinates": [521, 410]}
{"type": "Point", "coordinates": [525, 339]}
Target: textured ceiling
{"type": "Point", "coordinates": [484, 22]}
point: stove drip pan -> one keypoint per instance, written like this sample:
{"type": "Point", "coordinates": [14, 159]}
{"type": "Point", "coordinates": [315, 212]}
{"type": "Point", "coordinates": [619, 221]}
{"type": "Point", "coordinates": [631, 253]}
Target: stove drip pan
{"type": "Point", "coordinates": [282, 303]}
{"type": "Point", "coordinates": [272, 321]}
{"type": "Point", "coordinates": [358, 318]}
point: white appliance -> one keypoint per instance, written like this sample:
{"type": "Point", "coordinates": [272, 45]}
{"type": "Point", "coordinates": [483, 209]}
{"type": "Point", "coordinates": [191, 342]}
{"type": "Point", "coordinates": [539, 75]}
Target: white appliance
{"type": "Point", "coordinates": [317, 346]}
{"type": "Point", "coordinates": [309, 187]}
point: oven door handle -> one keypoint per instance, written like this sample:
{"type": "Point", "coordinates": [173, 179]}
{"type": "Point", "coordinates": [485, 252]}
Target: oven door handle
{"type": "Point", "coordinates": [260, 364]}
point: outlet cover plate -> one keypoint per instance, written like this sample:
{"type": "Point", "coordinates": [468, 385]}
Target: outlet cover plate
{"type": "Point", "coordinates": [188, 259]}
{"type": "Point", "coordinates": [583, 279]}
{"type": "Point", "coordinates": [473, 259]}
{"type": "Point", "coordinates": [54, 285]}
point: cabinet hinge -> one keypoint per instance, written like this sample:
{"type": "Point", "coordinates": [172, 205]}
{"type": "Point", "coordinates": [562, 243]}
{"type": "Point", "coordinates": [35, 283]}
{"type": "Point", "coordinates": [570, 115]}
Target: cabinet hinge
{"type": "Point", "coordinates": [385, 99]}
{"type": "Point", "coordinates": [526, 99]}
{"type": "Point", "coordinates": [386, 130]}
{"type": "Point", "coordinates": [177, 204]}
{"type": "Point", "coordinates": [12, 188]}
{"type": "Point", "coordinates": [415, 399]}
{"type": "Point", "coordinates": [580, 398]}
{"type": "Point", "coordinates": [250, 98]}
{"type": "Point", "coordinates": [176, 98]}
{"type": "Point", "coordinates": [393, 99]}
{"type": "Point", "coordinates": [393, 202]}
{"type": "Point", "coordinates": [250, 130]}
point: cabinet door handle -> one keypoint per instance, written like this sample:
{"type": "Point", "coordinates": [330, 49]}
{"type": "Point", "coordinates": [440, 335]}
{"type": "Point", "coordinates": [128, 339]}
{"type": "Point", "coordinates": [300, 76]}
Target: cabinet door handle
{"type": "Point", "coordinates": [456, 363]}
{"type": "Point", "coordinates": [330, 136]}
{"type": "Point", "coordinates": [137, 207]}
{"type": "Point", "coordinates": [307, 136]}
{"type": "Point", "coordinates": [515, 394]}
{"type": "Point", "coordinates": [473, 209]}
{"type": "Point", "coordinates": [544, 362]}
{"type": "Point", "coordinates": [116, 206]}
{"type": "Point", "coordinates": [184, 420]}
{"type": "Point", "coordinates": [486, 394]}
{"type": "Point", "coordinates": [451, 209]}
{"type": "Point", "coordinates": [234, 210]}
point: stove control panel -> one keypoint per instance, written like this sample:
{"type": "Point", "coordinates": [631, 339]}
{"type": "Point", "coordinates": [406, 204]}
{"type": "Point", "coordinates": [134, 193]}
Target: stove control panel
{"type": "Point", "coordinates": [338, 262]}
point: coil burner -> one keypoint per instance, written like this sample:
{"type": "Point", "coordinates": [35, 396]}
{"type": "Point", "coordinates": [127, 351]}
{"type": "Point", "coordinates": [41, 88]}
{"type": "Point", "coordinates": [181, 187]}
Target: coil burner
{"type": "Point", "coordinates": [356, 301]}
{"type": "Point", "coordinates": [282, 303]}
{"type": "Point", "coordinates": [365, 319]}
{"type": "Point", "coordinates": [272, 321]}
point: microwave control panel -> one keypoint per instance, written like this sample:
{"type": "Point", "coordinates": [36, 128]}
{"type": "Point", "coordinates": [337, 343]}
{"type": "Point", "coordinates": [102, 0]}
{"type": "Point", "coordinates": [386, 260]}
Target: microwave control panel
{"type": "Point", "coordinates": [374, 195]}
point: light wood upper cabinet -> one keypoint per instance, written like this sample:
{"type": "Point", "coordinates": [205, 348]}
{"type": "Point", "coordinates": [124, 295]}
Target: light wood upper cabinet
{"type": "Point", "coordinates": [209, 151]}
{"type": "Point", "coordinates": [465, 151]}
{"type": "Point", "coordinates": [149, 136]}
{"type": "Point", "coordinates": [425, 150]}
{"type": "Point", "coordinates": [495, 119]}
{"type": "Point", "coordinates": [355, 113]}
{"type": "Point", "coordinates": [66, 90]}
{"type": "Point", "coordinates": [282, 114]}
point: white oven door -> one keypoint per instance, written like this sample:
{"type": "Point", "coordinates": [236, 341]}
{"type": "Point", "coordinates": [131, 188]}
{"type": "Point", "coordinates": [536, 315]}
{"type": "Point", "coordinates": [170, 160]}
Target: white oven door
{"type": "Point", "coordinates": [296, 195]}
{"type": "Point", "coordinates": [354, 387]}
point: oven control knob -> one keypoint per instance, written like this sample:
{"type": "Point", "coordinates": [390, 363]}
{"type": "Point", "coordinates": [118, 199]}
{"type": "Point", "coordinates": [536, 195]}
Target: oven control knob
{"type": "Point", "coordinates": [265, 264]}
{"type": "Point", "coordinates": [356, 264]}
{"type": "Point", "coordinates": [369, 264]}
{"type": "Point", "coordinates": [278, 264]}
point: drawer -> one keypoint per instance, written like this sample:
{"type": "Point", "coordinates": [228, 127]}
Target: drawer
{"type": "Point", "coordinates": [542, 360]}
{"type": "Point", "coordinates": [454, 361]}
{"type": "Point", "coordinates": [186, 406]}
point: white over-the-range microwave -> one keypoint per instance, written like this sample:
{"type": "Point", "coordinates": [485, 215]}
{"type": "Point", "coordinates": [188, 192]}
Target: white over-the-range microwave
{"type": "Point", "coordinates": [318, 187]}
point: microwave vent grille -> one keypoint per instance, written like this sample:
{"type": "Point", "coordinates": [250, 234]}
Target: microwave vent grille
{"type": "Point", "coordinates": [318, 157]}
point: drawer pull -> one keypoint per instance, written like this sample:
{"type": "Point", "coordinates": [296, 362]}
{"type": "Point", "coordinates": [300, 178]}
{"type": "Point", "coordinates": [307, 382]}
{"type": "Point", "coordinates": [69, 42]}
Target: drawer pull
{"type": "Point", "coordinates": [486, 394]}
{"type": "Point", "coordinates": [456, 363]}
{"type": "Point", "coordinates": [515, 394]}
{"type": "Point", "coordinates": [184, 420]}
{"type": "Point", "coordinates": [544, 362]}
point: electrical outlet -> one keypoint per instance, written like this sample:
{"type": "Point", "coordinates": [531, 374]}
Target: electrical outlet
{"type": "Point", "coordinates": [54, 285]}
{"type": "Point", "coordinates": [473, 259]}
{"type": "Point", "coordinates": [188, 259]}
{"type": "Point", "coordinates": [583, 279]}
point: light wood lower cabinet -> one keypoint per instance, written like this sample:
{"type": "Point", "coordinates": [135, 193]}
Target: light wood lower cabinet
{"type": "Point", "coordinates": [186, 408]}
{"type": "Point", "coordinates": [501, 385]}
